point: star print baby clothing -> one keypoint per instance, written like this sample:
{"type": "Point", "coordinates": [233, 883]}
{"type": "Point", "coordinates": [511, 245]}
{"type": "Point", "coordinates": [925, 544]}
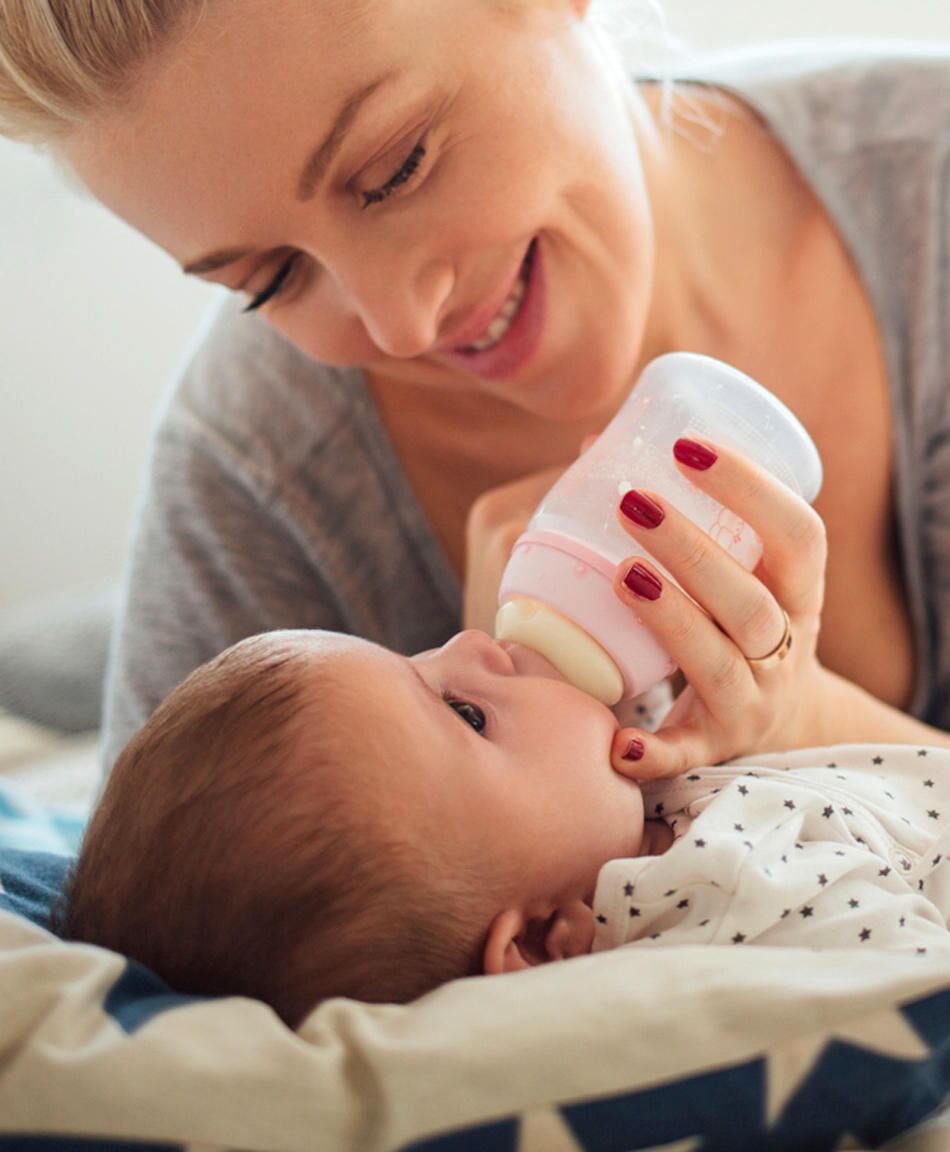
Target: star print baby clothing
{"type": "Point", "coordinates": [821, 848]}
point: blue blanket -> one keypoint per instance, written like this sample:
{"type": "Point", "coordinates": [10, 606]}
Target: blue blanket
{"type": "Point", "coordinates": [726, 1050]}
{"type": "Point", "coordinates": [24, 825]}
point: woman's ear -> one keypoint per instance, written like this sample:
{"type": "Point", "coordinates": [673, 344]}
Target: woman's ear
{"type": "Point", "coordinates": [517, 941]}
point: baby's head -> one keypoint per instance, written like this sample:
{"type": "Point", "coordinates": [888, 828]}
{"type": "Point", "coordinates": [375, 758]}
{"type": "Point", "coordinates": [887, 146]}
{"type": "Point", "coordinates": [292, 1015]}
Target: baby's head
{"type": "Point", "coordinates": [311, 815]}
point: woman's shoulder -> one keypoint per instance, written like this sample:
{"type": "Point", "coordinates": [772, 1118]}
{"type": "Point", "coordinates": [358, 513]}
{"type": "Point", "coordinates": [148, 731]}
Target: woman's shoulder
{"type": "Point", "coordinates": [843, 93]}
{"type": "Point", "coordinates": [246, 389]}
{"type": "Point", "coordinates": [800, 60]}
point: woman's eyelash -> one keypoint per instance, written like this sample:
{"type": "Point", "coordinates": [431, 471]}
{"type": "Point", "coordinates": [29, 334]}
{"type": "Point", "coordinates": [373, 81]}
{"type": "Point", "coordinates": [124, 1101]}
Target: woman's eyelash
{"type": "Point", "coordinates": [470, 713]}
{"type": "Point", "coordinates": [401, 176]}
{"type": "Point", "coordinates": [274, 287]}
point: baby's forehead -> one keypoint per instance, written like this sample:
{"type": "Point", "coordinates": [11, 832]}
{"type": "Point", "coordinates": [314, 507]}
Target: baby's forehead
{"type": "Point", "coordinates": [349, 663]}
{"type": "Point", "coordinates": [350, 684]}
{"type": "Point", "coordinates": [369, 702]}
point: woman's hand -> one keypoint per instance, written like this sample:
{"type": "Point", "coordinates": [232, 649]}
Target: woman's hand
{"type": "Point", "coordinates": [495, 521]}
{"type": "Point", "coordinates": [723, 617]}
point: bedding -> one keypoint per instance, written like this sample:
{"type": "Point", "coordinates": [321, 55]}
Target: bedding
{"type": "Point", "coordinates": [711, 1048]}
{"type": "Point", "coordinates": [780, 1050]}
{"type": "Point", "coordinates": [53, 655]}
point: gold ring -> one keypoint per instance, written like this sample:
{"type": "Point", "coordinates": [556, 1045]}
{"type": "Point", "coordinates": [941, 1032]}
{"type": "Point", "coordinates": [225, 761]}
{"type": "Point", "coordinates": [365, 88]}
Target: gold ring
{"type": "Point", "coordinates": [778, 653]}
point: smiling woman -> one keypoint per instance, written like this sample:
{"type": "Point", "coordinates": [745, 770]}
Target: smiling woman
{"type": "Point", "coordinates": [461, 230]}
{"type": "Point", "coordinates": [430, 193]}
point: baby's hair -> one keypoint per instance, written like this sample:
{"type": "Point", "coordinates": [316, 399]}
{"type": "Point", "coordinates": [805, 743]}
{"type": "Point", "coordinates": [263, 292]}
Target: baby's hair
{"type": "Point", "coordinates": [233, 852]}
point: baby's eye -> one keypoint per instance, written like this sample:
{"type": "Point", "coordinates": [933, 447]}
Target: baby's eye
{"type": "Point", "coordinates": [470, 713]}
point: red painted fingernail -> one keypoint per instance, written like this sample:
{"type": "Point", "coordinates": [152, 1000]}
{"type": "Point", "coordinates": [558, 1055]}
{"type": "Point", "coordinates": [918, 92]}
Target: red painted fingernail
{"type": "Point", "coordinates": [635, 750]}
{"type": "Point", "coordinates": [694, 455]}
{"type": "Point", "coordinates": [639, 508]}
{"type": "Point", "coordinates": [643, 583]}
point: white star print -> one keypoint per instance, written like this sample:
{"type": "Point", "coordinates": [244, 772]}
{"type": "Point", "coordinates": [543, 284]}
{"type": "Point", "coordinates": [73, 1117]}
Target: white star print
{"type": "Point", "coordinates": [546, 1130]}
{"type": "Point", "coordinates": [887, 1032]}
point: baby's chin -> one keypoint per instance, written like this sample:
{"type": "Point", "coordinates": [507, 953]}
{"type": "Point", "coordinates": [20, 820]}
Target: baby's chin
{"type": "Point", "coordinates": [633, 807]}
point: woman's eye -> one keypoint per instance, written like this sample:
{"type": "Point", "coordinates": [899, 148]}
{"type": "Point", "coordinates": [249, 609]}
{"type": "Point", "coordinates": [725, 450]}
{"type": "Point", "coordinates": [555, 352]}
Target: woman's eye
{"type": "Point", "coordinates": [470, 713]}
{"type": "Point", "coordinates": [401, 176]}
{"type": "Point", "coordinates": [276, 286]}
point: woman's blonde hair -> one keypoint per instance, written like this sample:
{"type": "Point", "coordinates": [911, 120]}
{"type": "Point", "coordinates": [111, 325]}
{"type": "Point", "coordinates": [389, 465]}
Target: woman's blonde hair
{"type": "Point", "coordinates": [63, 60]}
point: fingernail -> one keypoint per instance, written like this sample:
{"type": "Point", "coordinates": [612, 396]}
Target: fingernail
{"type": "Point", "coordinates": [639, 508]}
{"type": "Point", "coordinates": [694, 455]}
{"type": "Point", "coordinates": [635, 750]}
{"type": "Point", "coordinates": [643, 583]}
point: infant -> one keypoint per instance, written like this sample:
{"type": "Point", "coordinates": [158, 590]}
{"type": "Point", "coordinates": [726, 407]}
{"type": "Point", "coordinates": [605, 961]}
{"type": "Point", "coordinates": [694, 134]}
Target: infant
{"type": "Point", "coordinates": [310, 815]}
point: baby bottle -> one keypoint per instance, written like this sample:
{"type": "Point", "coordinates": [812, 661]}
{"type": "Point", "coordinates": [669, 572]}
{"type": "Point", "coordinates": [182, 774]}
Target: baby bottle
{"type": "Point", "coordinates": [556, 594]}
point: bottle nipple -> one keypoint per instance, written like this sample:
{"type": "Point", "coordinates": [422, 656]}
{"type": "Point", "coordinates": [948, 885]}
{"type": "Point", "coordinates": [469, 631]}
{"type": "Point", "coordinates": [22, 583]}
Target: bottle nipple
{"type": "Point", "coordinates": [572, 651]}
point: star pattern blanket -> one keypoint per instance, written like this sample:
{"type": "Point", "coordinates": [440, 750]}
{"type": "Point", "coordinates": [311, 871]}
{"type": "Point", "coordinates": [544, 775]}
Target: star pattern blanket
{"type": "Point", "coordinates": [709, 1047]}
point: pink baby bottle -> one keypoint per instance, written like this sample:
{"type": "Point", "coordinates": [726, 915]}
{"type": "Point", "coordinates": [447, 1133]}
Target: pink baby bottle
{"type": "Point", "coordinates": [556, 594]}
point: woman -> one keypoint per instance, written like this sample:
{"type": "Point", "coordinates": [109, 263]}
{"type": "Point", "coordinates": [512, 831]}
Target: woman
{"type": "Point", "coordinates": [461, 234]}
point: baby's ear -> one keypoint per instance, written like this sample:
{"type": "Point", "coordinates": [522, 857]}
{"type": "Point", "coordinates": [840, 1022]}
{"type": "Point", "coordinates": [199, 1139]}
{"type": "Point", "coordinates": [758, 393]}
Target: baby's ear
{"type": "Point", "coordinates": [516, 941]}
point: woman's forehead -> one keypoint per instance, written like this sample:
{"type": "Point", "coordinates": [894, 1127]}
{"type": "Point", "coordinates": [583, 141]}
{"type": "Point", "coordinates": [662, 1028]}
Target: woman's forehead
{"type": "Point", "coordinates": [322, 31]}
{"type": "Point", "coordinates": [239, 96]}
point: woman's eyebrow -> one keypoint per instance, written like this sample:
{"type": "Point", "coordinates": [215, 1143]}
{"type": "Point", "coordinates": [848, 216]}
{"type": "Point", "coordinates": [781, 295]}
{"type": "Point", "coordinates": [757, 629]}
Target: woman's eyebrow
{"type": "Point", "coordinates": [313, 172]}
{"type": "Point", "coordinates": [316, 167]}
{"type": "Point", "coordinates": [215, 260]}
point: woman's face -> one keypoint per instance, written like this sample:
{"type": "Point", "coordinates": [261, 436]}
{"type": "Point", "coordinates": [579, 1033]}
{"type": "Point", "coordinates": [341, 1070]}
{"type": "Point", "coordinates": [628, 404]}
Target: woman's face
{"type": "Point", "coordinates": [373, 175]}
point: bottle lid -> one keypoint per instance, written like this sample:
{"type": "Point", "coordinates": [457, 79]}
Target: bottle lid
{"type": "Point", "coordinates": [572, 651]}
{"type": "Point", "coordinates": [731, 407]}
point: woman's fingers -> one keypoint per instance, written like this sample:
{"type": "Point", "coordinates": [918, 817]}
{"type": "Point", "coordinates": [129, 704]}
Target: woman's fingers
{"type": "Point", "coordinates": [711, 659]}
{"type": "Point", "coordinates": [740, 603]}
{"type": "Point", "coordinates": [790, 575]}
{"type": "Point", "coordinates": [792, 533]}
{"type": "Point", "coordinates": [657, 755]}
{"type": "Point", "coordinates": [718, 621]}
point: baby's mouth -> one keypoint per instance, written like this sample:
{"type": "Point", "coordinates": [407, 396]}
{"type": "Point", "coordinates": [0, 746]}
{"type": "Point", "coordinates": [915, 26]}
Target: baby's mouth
{"type": "Point", "coordinates": [527, 662]}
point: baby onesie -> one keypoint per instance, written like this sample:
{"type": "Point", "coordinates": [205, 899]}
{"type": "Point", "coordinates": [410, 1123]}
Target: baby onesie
{"type": "Point", "coordinates": [835, 847]}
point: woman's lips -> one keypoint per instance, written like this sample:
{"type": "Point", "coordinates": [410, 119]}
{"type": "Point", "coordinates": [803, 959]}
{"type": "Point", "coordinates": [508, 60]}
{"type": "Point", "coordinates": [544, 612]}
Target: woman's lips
{"type": "Point", "coordinates": [521, 341]}
{"type": "Point", "coordinates": [477, 324]}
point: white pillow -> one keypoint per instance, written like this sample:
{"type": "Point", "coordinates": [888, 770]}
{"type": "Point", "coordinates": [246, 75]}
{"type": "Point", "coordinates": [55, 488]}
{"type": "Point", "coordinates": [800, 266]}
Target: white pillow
{"type": "Point", "coordinates": [725, 1048]}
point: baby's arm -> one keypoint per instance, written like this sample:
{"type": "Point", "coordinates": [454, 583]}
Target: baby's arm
{"type": "Point", "coordinates": [826, 901]}
{"type": "Point", "coordinates": [765, 860]}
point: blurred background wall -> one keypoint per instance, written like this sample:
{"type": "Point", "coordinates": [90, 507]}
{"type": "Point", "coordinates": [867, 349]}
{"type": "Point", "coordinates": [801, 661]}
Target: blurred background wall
{"type": "Point", "coordinates": [93, 321]}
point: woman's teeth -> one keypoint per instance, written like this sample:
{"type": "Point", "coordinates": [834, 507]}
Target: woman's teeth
{"type": "Point", "coordinates": [496, 330]}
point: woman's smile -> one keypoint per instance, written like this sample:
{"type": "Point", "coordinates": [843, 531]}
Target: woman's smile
{"type": "Point", "coordinates": [439, 199]}
{"type": "Point", "coordinates": [514, 334]}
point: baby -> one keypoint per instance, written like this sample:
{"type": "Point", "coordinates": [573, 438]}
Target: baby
{"type": "Point", "coordinates": [311, 815]}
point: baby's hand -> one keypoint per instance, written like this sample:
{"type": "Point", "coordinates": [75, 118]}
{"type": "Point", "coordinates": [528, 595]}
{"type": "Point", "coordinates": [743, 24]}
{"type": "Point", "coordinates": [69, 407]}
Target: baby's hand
{"type": "Point", "coordinates": [747, 689]}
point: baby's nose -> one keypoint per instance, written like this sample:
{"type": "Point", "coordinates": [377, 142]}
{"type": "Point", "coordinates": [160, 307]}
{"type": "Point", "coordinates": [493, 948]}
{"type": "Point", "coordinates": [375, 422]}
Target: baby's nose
{"type": "Point", "coordinates": [477, 645]}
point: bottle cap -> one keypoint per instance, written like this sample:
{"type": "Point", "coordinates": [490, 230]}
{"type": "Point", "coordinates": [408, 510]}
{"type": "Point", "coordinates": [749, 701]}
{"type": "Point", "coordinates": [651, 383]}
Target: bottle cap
{"type": "Point", "coordinates": [572, 651]}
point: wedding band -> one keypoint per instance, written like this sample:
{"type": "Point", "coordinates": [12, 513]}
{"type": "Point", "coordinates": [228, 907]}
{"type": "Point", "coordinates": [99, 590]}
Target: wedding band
{"type": "Point", "coordinates": [778, 653]}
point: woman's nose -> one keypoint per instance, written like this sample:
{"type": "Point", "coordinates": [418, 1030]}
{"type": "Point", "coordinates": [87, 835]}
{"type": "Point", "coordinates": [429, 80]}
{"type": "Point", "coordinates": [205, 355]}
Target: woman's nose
{"type": "Point", "coordinates": [401, 309]}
